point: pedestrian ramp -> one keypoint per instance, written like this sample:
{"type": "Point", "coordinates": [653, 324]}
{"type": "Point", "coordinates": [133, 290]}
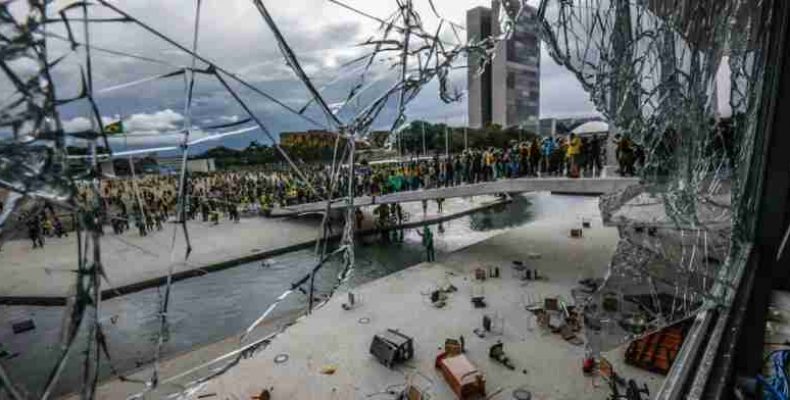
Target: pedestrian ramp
{"type": "Point", "coordinates": [581, 186]}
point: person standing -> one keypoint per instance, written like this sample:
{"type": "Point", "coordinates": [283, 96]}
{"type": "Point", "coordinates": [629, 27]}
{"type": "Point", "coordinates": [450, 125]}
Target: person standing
{"type": "Point", "coordinates": [595, 155]}
{"type": "Point", "coordinates": [534, 157]}
{"type": "Point", "coordinates": [573, 151]}
{"type": "Point", "coordinates": [458, 171]}
{"type": "Point", "coordinates": [399, 219]}
{"type": "Point", "coordinates": [59, 230]}
{"type": "Point", "coordinates": [548, 150]}
{"type": "Point", "coordinates": [427, 241]}
{"type": "Point", "coordinates": [359, 218]}
{"type": "Point", "coordinates": [34, 231]}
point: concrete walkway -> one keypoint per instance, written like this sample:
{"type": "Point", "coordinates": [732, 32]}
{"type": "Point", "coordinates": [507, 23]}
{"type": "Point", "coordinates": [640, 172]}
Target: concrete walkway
{"type": "Point", "coordinates": [131, 259]}
{"type": "Point", "coordinates": [587, 186]}
{"type": "Point", "coordinates": [46, 276]}
{"type": "Point", "coordinates": [334, 338]}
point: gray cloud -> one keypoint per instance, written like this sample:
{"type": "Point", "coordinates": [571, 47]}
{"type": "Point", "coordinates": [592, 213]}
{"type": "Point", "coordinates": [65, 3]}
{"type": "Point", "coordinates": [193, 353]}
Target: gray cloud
{"type": "Point", "coordinates": [234, 35]}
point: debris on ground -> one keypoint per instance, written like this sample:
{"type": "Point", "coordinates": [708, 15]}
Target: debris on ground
{"type": "Point", "coordinates": [280, 358]}
{"type": "Point", "coordinates": [657, 352]}
{"type": "Point", "coordinates": [391, 347]}
{"type": "Point", "coordinates": [351, 302]}
{"type": "Point", "coordinates": [497, 353]}
{"type": "Point", "coordinates": [522, 394]}
{"type": "Point", "coordinates": [478, 296]}
{"type": "Point", "coordinates": [265, 395]}
{"type": "Point", "coordinates": [493, 272]}
{"type": "Point", "coordinates": [479, 302]}
{"type": "Point", "coordinates": [438, 298]}
{"type": "Point", "coordinates": [480, 274]}
{"type": "Point", "coordinates": [454, 346]}
{"type": "Point", "coordinates": [23, 326]}
{"type": "Point", "coordinates": [465, 380]}
{"type": "Point", "coordinates": [328, 369]}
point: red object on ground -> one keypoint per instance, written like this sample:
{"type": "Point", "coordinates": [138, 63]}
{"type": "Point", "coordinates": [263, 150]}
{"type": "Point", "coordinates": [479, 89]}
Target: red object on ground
{"type": "Point", "coordinates": [436, 363]}
{"type": "Point", "coordinates": [588, 365]}
{"type": "Point", "coordinates": [657, 352]}
{"type": "Point", "coordinates": [462, 376]}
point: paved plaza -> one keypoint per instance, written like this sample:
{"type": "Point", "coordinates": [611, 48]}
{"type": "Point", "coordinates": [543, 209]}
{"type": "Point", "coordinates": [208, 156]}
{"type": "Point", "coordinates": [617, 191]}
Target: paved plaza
{"type": "Point", "coordinates": [45, 276]}
{"type": "Point", "coordinates": [334, 338]}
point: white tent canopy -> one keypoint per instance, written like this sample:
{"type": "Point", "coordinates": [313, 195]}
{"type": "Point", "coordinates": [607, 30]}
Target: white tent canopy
{"type": "Point", "coordinates": [592, 127]}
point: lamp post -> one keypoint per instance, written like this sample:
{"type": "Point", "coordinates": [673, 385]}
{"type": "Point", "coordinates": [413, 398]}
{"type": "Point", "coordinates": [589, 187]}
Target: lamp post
{"type": "Point", "coordinates": [424, 152]}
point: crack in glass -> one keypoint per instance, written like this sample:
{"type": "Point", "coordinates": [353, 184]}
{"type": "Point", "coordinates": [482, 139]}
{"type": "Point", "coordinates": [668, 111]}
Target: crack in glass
{"type": "Point", "coordinates": [35, 167]}
{"type": "Point", "coordinates": [652, 68]}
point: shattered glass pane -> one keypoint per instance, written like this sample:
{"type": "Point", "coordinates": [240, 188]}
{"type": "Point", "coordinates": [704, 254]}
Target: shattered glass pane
{"type": "Point", "coordinates": [38, 37]}
{"type": "Point", "coordinates": [651, 67]}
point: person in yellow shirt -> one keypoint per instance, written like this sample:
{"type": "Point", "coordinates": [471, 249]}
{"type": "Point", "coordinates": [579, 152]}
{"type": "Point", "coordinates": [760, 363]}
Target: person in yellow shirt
{"type": "Point", "coordinates": [573, 151]}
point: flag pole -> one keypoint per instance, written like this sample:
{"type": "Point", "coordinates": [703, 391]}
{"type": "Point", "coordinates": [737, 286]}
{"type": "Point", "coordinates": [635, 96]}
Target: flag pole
{"type": "Point", "coordinates": [134, 175]}
{"type": "Point", "coordinates": [423, 139]}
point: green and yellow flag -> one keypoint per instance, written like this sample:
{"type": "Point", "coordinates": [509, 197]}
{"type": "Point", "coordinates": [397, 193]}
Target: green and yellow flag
{"type": "Point", "coordinates": [114, 128]}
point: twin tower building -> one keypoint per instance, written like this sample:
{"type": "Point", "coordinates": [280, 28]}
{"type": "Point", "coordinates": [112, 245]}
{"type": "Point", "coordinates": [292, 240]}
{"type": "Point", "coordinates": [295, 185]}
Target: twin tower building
{"type": "Point", "coordinates": [507, 91]}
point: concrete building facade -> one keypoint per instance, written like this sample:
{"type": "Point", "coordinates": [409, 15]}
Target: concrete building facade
{"type": "Point", "coordinates": [507, 91]}
{"type": "Point", "coordinates": [478, 27]}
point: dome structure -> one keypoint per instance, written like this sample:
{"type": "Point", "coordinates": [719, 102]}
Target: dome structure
{"type": "Point", "coordinates": [591, 128]}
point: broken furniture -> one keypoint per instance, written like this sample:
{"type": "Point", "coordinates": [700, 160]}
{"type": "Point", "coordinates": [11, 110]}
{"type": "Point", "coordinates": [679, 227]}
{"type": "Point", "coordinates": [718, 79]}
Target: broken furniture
{"type": "Point", "coordinates": [439, 295]}
{"type": "Point", "coordinates": [493, 272]}
{"type": "Point", "coordinates": [463, 377]}
{"type": "Point", "coordinates": [352, 302]}
{"type": "Point", "coordinates": [438, 298]}
{"type": "Point", "coordinates": [518, 269]}
{"type": "Point", "coordinates": [497, 353]}
{"type": "Point", "coordinates": [478, 296]}
{"type": "Point", "coordinates": [522, 271]}
{"type": "Point", "coordinates": [657, 351]}
{"type": "Point", "coordinates": [494, 323]}
{"type": "Point", "coordinates": [551, 304]}
{"type": "Point", "coordinates": [480, 274]}
{"type": "Point", "coordinates": [391, 347]}
{"type": "Point", "coordinates": [632, 390]}
{"type": "Point", "coordinates": [554, 318]}
{"type": "Point", "coordinates": [416, 389]}
{"type": "Point", "coordinates": [454, 346]}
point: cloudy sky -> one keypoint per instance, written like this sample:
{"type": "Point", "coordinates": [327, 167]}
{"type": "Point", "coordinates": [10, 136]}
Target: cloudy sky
{"type": "Point", "coordinates": [233, 35]}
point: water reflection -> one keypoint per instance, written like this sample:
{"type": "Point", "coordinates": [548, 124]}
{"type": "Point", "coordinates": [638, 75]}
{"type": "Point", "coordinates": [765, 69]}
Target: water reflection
{"type": "Point", "coordinates": [503, 216]}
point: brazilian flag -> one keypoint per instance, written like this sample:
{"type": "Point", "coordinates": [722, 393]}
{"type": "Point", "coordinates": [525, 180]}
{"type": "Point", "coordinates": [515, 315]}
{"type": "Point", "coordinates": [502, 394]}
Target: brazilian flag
{"type": "Point", "coordinates": [114, 128]}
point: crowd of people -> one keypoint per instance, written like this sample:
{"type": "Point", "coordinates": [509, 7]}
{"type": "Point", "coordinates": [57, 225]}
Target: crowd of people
{"type": "Point", "coordinates": [42, 224]}
{"type": "Point", "coordinates": [571, 156]}
{"type": "Point", "coordinates": [147, 202]}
